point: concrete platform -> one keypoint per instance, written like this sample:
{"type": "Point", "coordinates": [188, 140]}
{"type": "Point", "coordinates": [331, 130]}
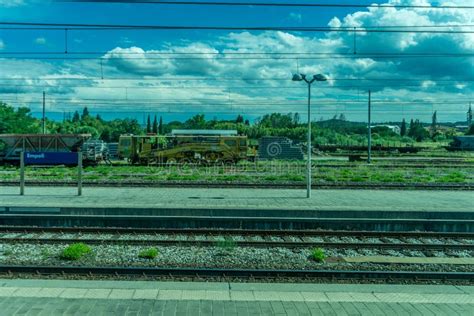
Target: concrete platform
{"type": "Point", "coordinates": [56, 297]}
{"type": "Point", "coordinates": [262, 199]}
{"type": "Point", "coordinates": [442, 211]}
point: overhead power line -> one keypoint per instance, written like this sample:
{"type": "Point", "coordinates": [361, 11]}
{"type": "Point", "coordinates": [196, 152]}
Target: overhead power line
{"type": "Point", "coordinates": [244, 101]}
{"type": "Point", "coordinates": [214, 55]}
{"type": "Point", "coordinates": [66, 56]}
{"type": "Point", "coordinates": [366, 29]}
{"type": "Point", "coordinates": [274, 4]}
{"type": "Point", "coordinates": [73, 78]}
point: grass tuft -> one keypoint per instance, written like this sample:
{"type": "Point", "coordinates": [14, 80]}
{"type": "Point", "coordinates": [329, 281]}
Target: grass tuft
{"type": "Point", "coordinates": [150, 253]}
{"type": "Point", "coordinates": [318, 255]}
{"type": "Point", "coordinates": [75, 251]}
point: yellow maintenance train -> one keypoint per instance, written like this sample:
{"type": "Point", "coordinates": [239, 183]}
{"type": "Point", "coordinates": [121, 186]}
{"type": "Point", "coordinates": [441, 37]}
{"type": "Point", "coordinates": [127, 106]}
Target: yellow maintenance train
{"type": "Point", "coordinates": [197, 146]}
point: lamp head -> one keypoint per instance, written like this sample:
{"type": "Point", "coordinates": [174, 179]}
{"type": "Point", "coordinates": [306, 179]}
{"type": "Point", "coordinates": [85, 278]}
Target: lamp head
{"type": "Point", "coordinates": [320, 77]}
{"type": "Point", "coordinates": [297, 77]}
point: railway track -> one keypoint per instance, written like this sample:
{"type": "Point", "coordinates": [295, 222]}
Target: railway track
{"type": "Point", "coordinates": [259, 239]}
{"type": "Point", "coordinates": [248, 274]}
{"type": "Point", "coordinates": [230, 232]}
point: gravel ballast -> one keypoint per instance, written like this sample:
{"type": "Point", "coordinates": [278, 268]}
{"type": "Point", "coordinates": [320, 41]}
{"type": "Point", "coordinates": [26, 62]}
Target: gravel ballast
{"type": "Point", "coordinates": [227, 256]}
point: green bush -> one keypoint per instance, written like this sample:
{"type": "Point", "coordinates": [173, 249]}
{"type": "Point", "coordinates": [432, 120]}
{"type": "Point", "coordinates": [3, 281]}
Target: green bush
{"type": "Point", "coordinates": [75, 251]}
{"type": "Point", "coordinates": [150, 253]}
{"type": "Point", "coordinates": [318, 255]}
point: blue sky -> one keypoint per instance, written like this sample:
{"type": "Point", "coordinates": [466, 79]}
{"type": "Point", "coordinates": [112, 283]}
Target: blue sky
{"type": "Point", "coordinates": [130, 72]}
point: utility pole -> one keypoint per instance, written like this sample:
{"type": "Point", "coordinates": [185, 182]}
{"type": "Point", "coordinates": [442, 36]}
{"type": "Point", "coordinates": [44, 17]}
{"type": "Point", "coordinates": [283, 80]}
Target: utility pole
{"type": "Point", "coordinates": [369, 133]}
{"type": "Point", "coordinates": [44, 112]}
{"type": "Point", "coordinates": [308, 168]}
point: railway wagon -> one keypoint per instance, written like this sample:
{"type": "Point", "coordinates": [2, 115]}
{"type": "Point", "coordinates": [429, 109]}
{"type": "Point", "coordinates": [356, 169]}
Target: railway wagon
{"type": "Point", "coordinates": [152, 149]}
{"type": "Point", "coordinates": [461, 143]}
{"type": "Point", "coordinates": [11, 145]}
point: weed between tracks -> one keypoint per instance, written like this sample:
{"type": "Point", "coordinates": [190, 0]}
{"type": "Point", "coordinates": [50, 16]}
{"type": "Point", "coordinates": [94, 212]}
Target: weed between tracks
{"type": "Point", "coordinates": [75, 251]}
{"type": "Point", "coordinates": [318, 255]}
{"type": "Point", "coordinates": [150, 253]}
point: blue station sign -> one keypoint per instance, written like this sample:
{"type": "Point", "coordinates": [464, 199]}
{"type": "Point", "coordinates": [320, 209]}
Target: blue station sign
{"type": "Point", "coordinates": [51, 158]}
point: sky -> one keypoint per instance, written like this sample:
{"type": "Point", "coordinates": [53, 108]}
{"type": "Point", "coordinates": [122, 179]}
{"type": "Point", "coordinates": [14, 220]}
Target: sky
{"type": "Point", "coordinates": [223, 73]}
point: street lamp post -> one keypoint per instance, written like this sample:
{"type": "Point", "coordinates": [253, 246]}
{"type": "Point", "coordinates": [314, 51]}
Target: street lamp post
{"type": "Point", "coordinates": [302, 77]}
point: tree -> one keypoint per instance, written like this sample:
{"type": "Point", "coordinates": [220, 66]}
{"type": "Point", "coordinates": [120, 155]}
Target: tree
{"type": "Point", "coordinates": [434, 123]}
{"type": "Point", "coordinates": [277, 120]}
{"type": "Point", "coordinates": [403, 128]}
{"type": "Point", "coordinates": [470, 131]}
{"type": "Point", "coordinates": [411, 129]}
{"type": "Point", "coordinates": [417, 131]}
{"type": "Point", "coordinates": [155, 126]}
{"type": "Point", "coordinates": [160, 126]}
{"type": "Point", "coordinates": [198, 121]}
{"type": "Point", "coordinates": [342, 117]}
{"type": "Point", "coordinates": [469, 115]}
{"type": "Point", "coordinates": [76, 118]}
{"type": "Point", "coordinates": [148, 125]}
{"type": "Point", "coordinates": [296, 119]}
{"type": "Point", "coordinates": [85, 113]}
{"type": "Point", "coordinates": [17, 121]}
{"type": "Point", "coordinates": [247, 122]}
{"type": "Point", "coordinates": [239, 119]}
{"type": "Point", "coordinates": [98, 117]}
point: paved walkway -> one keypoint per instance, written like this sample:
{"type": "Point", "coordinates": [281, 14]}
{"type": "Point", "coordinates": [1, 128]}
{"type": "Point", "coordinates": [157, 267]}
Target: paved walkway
{"type": "Point", "coordinates": [56, 297]}
{"type": "Point", "coordinates": [367, 200]}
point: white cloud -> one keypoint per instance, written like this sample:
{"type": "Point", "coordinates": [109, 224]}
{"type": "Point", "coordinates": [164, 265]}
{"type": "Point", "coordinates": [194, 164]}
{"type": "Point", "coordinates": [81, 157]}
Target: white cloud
{"type": "Point", "coordinates": [40, 41]}
{"type": "Point", "coordinates": [11, 3]}
{"type": "Point", "coordinates": [263, 86]}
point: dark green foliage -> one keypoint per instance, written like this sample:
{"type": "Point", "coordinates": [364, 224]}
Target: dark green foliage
{"type": "Point", "coordinates": [85, 113]}
{"type": "Point", "coordinates": [148, 124]}
{"type": "Point", "coordinates": [108, 131]}
{"type": "Point", "coordinates": [277, 120]}
{"type": "Point", "coordinates": [17, 121]}
{"type": "Point", "coordinates": [417, 131]}
{"type": "Point", "coordinates": [75, 251]}
{"type": "Point", "coordinates": [160, 126]}
{"type": "Point", "coordinates": [155, 126]}
{"type": "Point", "coordinates": [76, 117]}
{"type": "Point", "coordinates": [469, 115]}
{"type": "Point", "coordinates": [150, 253]}
{"type": "Point", "coordinates": [333, 131]}
{"type": "Point", "coordinates": [383, 131]}
{"type": "Point", "coordinates": [470, 130]}
{"type": "Point", "coordinates": [198, 121]}
{"type": "Point", "coordinates": [403, 128]}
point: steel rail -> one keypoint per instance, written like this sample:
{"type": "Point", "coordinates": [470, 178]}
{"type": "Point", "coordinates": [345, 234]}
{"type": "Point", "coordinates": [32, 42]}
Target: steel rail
{"type": "Point", "coordinates": [238, 273]}
{"type": "Point", "coordinates": [231, 232]}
